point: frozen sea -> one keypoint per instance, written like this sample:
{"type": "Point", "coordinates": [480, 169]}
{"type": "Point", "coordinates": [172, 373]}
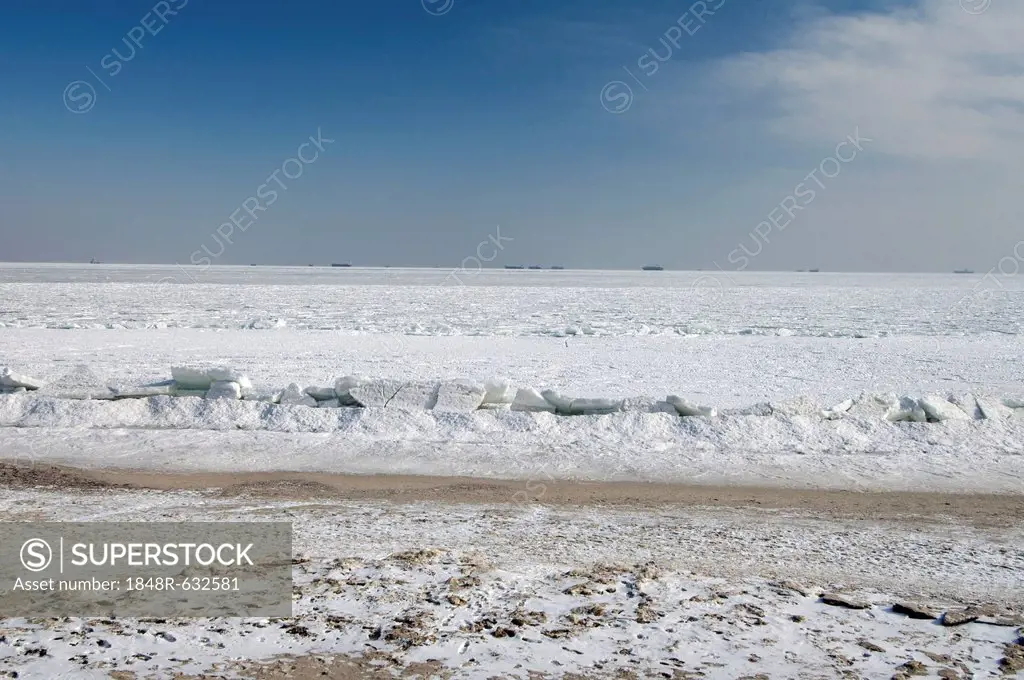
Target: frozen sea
{"type": "Point", "coordinates": [511, 303]}
{"type": "Point", "coordinates": [797, 342]}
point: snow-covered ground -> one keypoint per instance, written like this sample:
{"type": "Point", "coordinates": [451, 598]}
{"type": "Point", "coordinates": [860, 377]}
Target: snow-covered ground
{"type": "Point", "coordinates": [795, 449]}
{"type": "Point", "coordinates": [505, 591]}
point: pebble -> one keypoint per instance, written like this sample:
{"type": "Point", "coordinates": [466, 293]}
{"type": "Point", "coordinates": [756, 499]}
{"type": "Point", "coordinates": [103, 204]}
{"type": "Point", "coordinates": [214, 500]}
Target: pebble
{"type": "Point", "coordinates": [959, 618]}
{"type": "Point", "coordinates": [914, 610]}
{"type": "Point", "coordinates": [837, 600]}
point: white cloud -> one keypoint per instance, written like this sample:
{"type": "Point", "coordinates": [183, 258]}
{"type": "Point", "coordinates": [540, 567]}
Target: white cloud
{"type": "Point", "coordinates": [931, 82]}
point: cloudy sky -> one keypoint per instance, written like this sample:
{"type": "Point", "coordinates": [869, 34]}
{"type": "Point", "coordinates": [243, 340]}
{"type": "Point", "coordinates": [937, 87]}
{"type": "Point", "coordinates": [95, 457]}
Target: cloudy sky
{"type": "Point", "coordinates": [756, 134]}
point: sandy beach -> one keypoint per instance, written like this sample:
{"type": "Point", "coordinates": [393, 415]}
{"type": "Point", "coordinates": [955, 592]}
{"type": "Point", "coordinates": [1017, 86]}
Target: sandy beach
{"type": "Point", "coordinates": [974, 508]}
{"type": "Point", "coordinates": [433, 577]}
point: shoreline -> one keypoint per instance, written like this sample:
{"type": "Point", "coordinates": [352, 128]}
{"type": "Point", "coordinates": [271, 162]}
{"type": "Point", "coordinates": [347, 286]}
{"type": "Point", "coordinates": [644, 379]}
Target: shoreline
{"type": "Point", "coordinates": [987, 509]}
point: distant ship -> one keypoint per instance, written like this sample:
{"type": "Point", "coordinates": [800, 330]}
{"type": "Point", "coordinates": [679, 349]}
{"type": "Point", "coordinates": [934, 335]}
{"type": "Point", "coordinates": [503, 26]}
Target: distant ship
{"type": "Point", "coordinates": [814, 271]}
{"type": "Point", "coordinates": [653, 268]}
{"type": "Point", "coordinates": [557, 266]}
{"type": "Point", "coordinates": [94, 261]}
{"type": "Point", "coordinates": [341, 264]}
{"type": "Point", "coordinates": [514, 266]}
{"type": "Point", "coordinates": [536, 266]}
{"type": "Point", "coordinates": [963, 271]}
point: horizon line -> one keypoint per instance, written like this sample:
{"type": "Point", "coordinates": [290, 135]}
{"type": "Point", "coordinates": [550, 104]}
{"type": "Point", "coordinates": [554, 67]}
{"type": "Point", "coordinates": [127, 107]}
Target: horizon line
{"type": "Point", "coordinates": [515, 267]}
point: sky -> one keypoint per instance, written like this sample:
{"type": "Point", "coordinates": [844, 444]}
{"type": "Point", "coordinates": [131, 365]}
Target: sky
{"type": "Point", "coordinates": [845, 135]}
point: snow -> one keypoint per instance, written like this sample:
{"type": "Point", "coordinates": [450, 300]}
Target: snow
{"type": "Point", "coordinates": [783, 444]}
{"type": "Point", "coordinates": [499, 303]}
{"type": "Point", "coordinates": [462, 395]}
{"type": "Point", "coordinates": [81, 382]}
{"type": "Point", "coordinates": [688, 589]}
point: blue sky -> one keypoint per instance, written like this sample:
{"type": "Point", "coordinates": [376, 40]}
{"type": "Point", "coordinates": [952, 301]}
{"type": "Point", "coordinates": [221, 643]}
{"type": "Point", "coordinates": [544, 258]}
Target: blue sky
{"type": "Point", "coordinates": [450, 117]}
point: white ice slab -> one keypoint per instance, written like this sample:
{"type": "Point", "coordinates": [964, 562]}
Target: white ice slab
{"type": "Point", "coordinates": [384, 393]}
{"type": "Point", "coordinates": [687, 408]}
{"type": "Point", "coordinates": [9, 378]}
{"type": "Point", "coordinates": [459, 395]}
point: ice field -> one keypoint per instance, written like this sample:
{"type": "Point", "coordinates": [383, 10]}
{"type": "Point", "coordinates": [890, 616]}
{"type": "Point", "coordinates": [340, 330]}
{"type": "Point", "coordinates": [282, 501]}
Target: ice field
{"type": "Point", "coordinates": [510, 303]}
{"type": "Point", "coordinates": [836, 380]}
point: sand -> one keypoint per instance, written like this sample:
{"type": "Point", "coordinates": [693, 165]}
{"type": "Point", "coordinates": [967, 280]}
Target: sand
{"type": "Point", "coordinates": [726, 547]}
{"type": "Point", "coordinates": [976, 509]}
